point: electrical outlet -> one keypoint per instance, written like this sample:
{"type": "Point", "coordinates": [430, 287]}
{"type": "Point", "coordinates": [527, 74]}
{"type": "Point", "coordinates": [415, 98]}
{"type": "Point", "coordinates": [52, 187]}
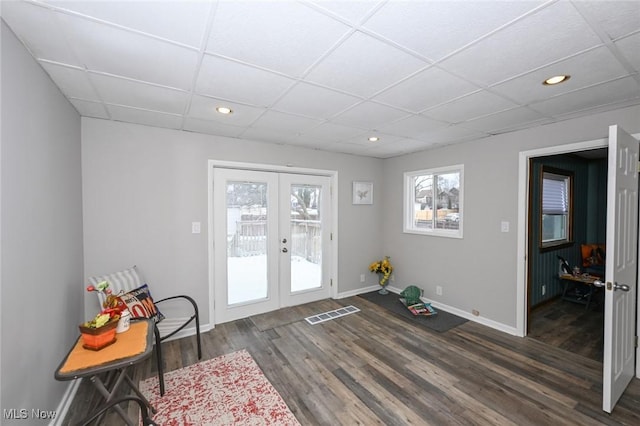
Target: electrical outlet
{"type": "Point", "coordinates": [439, 291]}
{"type": "Point", "coordinates": [362, 278]}
{"type": "Point", "coordinates": [544, 289]}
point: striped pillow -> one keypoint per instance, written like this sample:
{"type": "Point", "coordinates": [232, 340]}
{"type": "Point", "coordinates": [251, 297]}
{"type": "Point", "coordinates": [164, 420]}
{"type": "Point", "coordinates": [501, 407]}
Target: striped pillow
{"type": "Point", "coordinates": [129, 285]}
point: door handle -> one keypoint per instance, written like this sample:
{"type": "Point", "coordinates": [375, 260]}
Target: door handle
{"type": "Point", "coordinates": [616, 286]}
{"type": "Point", "coordinates": [622, 287]}
{"type": "Point", "coordinates": [284, 241]}
{"type": "Point", "coordinates": [284, 250]}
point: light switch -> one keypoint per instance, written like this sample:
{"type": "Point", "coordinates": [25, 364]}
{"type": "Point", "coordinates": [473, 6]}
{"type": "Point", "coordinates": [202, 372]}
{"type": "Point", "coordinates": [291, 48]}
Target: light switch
{"type": "Point", "coordinates": [195, 227]}
{"type": "Point", "coordinates": [504, 226]}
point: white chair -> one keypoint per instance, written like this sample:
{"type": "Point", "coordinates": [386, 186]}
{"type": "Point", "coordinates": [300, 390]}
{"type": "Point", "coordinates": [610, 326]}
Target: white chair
{"type": "Point", "coordinates": [129, 285]}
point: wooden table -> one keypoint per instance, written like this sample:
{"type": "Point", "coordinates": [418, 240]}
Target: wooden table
{"type": "Point", "coordinates": [130, 348]}
{"type": "Point", "coordinates": [583, 279]}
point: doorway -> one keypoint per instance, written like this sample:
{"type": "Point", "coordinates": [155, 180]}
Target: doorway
{"type": "Point", "coordinates": [562, 313]}
{"type": "Point", "coordinates": [272, 239]}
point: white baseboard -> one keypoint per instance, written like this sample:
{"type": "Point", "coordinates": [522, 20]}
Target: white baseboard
{"type": "Point", "coordinates": [169, 324]}
{"type": "Point", "coordinates": [463, 314]}
{"type": "Point", "coordinates": [65, 402]}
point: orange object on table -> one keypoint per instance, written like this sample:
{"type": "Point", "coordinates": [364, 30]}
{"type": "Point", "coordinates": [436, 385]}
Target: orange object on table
{"type": "Point", "coordinates": [128, 344]}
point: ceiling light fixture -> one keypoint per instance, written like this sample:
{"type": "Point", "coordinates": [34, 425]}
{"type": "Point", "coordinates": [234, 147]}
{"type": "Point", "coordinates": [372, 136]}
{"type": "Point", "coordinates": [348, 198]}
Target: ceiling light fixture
{"type": "Point", "coordinates": [556, 79]}
{"type": "Point", "coordinates": [224, 110]}
{"type": "Point", "coordinates": [373, 139]}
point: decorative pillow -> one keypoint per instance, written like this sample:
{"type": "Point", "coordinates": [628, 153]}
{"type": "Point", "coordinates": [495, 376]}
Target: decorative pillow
{"type": "Point", "coordinates": [120, 281]}
{"type": "Point", "coordinates": [411, 294]}
{"type": "Point", "coordinates": [140, 304]}
{"type": "Point", "coordinates": [592, 254]}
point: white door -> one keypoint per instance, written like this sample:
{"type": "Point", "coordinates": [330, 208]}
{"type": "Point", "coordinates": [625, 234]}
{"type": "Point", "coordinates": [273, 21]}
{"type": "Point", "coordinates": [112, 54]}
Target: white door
{"type": "Point", "coordinates": [621, 266]}
{"type": "Point", "coordinates": [271, 241]}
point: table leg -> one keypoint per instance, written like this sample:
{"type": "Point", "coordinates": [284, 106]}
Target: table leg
{"type": "Point", "coordinates": [137, 391]}
{"type": "Point", "coordinates": [109, 395]}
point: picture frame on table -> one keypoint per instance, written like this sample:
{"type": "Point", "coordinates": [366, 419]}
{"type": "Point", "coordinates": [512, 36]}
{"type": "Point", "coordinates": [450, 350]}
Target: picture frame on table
{"type": "Point", "coordinates": [362, 192]}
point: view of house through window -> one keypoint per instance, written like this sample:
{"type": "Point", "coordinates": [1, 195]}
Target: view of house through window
{"type": "Point", "coordinates": [433, 201]}
{"type": "Point", "coordinates": [556, 207]}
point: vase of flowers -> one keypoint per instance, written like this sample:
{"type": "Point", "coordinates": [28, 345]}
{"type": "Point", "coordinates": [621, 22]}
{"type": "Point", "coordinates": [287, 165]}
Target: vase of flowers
{"type": "Point", "coordinates": [384, 269]}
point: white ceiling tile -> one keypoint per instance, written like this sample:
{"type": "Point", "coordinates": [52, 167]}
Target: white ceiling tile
{"type": "Point", "coordinates": [352, 11]}
{"type": "Point", "coordinates": [282, 36]}
{"type": "Point", "coordinates": [119, 91]}
{"type": "Point", "coordinates": [617, 18]}
{"type": "Point", "coordinates": [363, 65]}
{"type": "Point", "coordinates": [399, 147]}
{"type": "Point", "coordinates": [149, 118]}
{"type": "Point", "coordinates": [615, 91]}
{"type": "Point", "coordinates": [314, 101]}
{"type": "Point", "coordinates": [212, 127]}
{"type": "Point", "coordinates": [630, 48]}
{"type": "Point", "coordinates": [89, 109]}
{"type": "Point", "coordinates": [368, 115]}
{"type": "Point", "coordinates": [346, 148]}
{"type": "Point", "coordinates": [73, 82]}
{"type": "Point", "coordinates": [333, 132]}
{"type": "Point", "coordinates": [451, 134]}
{"type": "Point", "coordinates": [551, 34]}
{"type": "Point", "coordinates": [592, 67]}
{"type": "Point", "coordinates": [205, 108]}
{"type": "Point", "coordinates": [437, 28]}
{"type": "Point", "coordinates": [269, 135]}
{"type": "Point", "coordinates": [226, 79]}
{"type": "Point", "coordinates": [426, 89]}
{"type": "Point", "coordinates": [471, 106]}
{"type": "Point", "coordinates": [111, 50]}
{"type": "Point", "coordinates": [183, 21]}
{"type": "Point", "coordinates": [412, 126]}
{"type": "Point", "coordinates": [504, 120]}
{"type": "Point", "coordinates": [285, 123]}
{"type": "Point", "coordinates": [384, 139]}
{"type": "Point", "coordinates": [39, 29]}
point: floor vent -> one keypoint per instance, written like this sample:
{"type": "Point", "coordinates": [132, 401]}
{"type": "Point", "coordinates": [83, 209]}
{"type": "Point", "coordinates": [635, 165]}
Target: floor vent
{"type": "Point", "coordinates": [326, 316]}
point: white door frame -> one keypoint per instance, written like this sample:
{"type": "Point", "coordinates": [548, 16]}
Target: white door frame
{"type": "Point", "coordinates": [523, 225]}
{"type": "Point", "coordinates": [333, 174]}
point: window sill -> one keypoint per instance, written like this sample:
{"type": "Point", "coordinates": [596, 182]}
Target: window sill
{"type": "Point", "coordinates": [555, 246]}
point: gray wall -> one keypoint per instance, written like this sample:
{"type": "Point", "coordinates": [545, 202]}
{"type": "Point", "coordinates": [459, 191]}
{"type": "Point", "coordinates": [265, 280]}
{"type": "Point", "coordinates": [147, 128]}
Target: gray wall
{"type": "Point", "coordinates": [479, 271]}
{"type": "Point", "coordinates": [41, 225]}
{"type": "Point", "coordinates": [143, 186]}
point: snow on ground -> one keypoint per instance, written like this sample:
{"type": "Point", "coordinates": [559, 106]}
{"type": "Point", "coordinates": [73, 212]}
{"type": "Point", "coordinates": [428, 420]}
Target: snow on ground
{"type": "Point", "coordinates": [247, 277]}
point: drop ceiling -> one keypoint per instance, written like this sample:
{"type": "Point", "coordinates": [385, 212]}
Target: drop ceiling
{"type": "Point", "coordinates": [329, 74]}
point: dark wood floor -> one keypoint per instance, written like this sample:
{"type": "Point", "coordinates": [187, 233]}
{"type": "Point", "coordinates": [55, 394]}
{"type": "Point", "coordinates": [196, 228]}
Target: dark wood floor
{"type": "Point", "coordinates": [570, 326]}
{"type": "Point", "coordinates": [374, 367]}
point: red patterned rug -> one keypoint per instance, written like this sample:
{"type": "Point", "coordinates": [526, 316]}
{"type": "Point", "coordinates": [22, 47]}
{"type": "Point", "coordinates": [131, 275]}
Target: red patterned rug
{"type": "Point", "coordinates": [228, 390]}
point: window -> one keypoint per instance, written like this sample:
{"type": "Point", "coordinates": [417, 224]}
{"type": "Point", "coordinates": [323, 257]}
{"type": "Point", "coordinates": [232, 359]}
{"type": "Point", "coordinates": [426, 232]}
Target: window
{"type": "Point", "coordinates": [433, 201]}
{"type": "Point", "coordinates": [556, 200]}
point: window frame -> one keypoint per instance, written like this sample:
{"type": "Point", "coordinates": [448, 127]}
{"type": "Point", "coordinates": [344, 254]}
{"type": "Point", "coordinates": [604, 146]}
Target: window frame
{"type": "Point", "coordinates": [567, 176]}
{"type": "Point", "coordinates": [409, 202]}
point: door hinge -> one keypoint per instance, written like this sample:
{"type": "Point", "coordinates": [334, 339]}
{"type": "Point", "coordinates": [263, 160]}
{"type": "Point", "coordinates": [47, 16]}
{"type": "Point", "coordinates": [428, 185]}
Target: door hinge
{"type": "Point", "coordinates": [331, 236]}
{"type": "Point", "coordinates": [636, 341]}
{"type": "Point", "coordinates": [331, 284]}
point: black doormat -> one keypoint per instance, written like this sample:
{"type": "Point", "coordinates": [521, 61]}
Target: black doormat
{"type": "Point", "coordinates": [440, 322]}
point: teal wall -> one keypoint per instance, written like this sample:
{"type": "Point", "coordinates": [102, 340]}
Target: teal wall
{"type": "Point", "coordinates": [589, 220]}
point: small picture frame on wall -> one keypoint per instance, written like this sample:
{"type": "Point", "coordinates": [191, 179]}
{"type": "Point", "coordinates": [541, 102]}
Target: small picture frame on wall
{"type": "Point", "coordinates": [362, 192]}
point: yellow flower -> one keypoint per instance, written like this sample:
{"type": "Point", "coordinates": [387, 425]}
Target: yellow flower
{"type": "Point", "coordinates": [383, 267]}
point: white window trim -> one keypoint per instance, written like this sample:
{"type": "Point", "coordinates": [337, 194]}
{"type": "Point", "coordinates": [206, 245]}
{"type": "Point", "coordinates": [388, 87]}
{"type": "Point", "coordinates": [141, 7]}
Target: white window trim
{"type": "Point", "coordinates": [409, 205]}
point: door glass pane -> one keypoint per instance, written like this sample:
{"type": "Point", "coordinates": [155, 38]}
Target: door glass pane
{"type": "Point", "coordinates": [306, 237]}
{"type": "Point", "coordinates": [246, 242]}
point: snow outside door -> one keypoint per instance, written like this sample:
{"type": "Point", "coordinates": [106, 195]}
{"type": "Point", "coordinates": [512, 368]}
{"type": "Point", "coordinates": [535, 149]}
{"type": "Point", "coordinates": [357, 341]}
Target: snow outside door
{"type": "Point", "coordinates": [271, 241]}
{"type": "Point", "coordinates": [621, 266]}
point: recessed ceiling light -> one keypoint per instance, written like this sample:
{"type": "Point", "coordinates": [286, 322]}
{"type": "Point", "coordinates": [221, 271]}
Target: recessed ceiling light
{"type": "Point", "coordinates": [556, 79]}
{"type": "Point", "coordinates": [373, 139]}
{"type": "Point", "coordinates": [224, 110]}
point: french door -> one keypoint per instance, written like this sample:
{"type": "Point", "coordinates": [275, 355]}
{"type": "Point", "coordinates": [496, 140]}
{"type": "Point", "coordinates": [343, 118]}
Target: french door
{"type": "Point", "coordinates": [271, 241]}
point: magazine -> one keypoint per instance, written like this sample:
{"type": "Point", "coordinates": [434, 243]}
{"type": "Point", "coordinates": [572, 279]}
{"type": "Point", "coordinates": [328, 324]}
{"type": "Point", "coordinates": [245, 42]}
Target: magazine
{"type": "Point", "coordinates": [423, 309]}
